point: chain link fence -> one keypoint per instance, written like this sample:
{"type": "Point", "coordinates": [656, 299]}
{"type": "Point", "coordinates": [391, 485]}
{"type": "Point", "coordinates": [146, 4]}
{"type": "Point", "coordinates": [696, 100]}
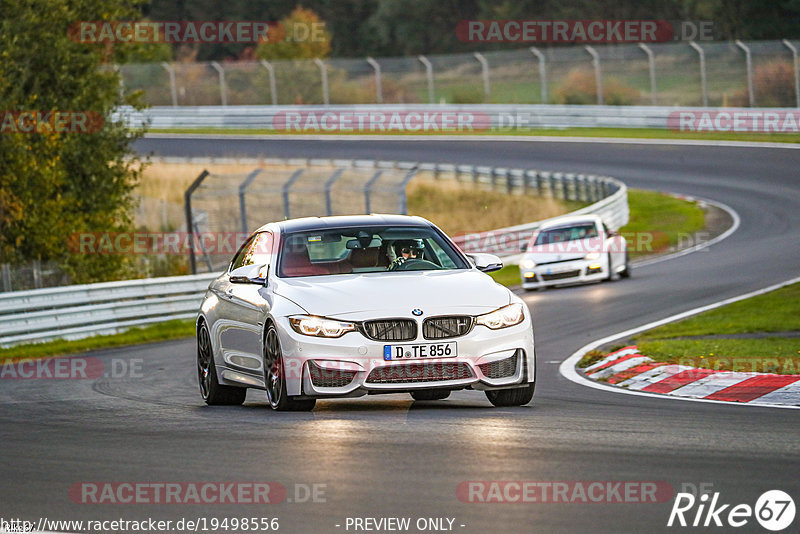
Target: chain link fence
{"type": "Point", "coordinates": [756, 73]}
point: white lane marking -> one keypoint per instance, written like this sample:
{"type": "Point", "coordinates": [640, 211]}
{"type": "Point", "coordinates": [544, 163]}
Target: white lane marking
{"type": "Point", "coordinates": [467, 137]}
{"type": "Point", "coordinates": [567, 367]}
{"type": "Point", "coordinates": [700, 246]}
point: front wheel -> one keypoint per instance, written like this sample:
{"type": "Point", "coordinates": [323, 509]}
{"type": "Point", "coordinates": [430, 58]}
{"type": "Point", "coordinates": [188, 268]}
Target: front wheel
{"type": "Point", "coordinates": [275, 378]}
{"type": "Point", "coordinates": [211, 390]}
{"type": "Point", "coordinates": [511, 397]}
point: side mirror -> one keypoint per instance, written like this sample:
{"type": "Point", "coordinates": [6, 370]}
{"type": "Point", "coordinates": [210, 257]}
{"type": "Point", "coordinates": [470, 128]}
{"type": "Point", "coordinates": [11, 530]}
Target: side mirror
{"type": "Point", "coordinates": [486, 263]}
{"type": "Point", "coordinates": [250, 274]}
{"type": "Point", "coordinates": [523, 247]}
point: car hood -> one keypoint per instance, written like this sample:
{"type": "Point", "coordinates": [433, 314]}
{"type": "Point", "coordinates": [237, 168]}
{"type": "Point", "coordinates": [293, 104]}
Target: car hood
{"type": "Point", "coordinates": [568, 250]}
{"type": "Point", "coordinates": [369, 295]}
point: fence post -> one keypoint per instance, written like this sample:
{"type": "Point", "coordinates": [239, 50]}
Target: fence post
{"type": "Point", "coordinates": [368, 190]}
{"type": "Point", "coordinates": [429, 75]}
{"type": "Point", "coordinates": [484, 74]}
{"type": "Point", "coordinates": [285, 191]}
{"type": "Point", "coordinates": [401, 192]}
{"type": "Point", "coordinates": [378, 85]}
{"type": "Point", "coordinates": [323, 72]}
{"type": "Point", "coordinates": [703, 86]}
{"type": "Point", "coordinates": [187, 209]}
{"type": "Point", "coordinates": [328, 186]}
{"type": "Point", "coordinates": [542, 72]}
{"type": "Point", "coordinates": [598, 74]}
{"type": "Point", "coordinates": [172, 89]}
{"type": "Point", "coordinates": [793, 48]}
{"type": "Point", "coordinates": [651, 61]}
{"type": "Point", "coordinates": [6, 277]}
{"type": "Point", "coordinates": [223, 91]}
{"type": "Point", "coordinates": [749, 65]}
{"type": "Point", "coordinates": [242, 200]}
{"type": "Point", "coordinates": [272, 85]}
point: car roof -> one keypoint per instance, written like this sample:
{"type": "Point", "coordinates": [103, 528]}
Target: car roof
{"type": "Point", "coordinates": [346, 221]}
{"type": "Point", "coordinates": [568, 220]}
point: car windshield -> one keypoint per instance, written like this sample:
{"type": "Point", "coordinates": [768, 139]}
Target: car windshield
{"type": "Point", "coordinates": [366, 250]}
{"type": "Point", "coordinates": [566, 233]}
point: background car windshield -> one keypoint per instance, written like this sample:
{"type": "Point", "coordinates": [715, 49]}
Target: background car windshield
{"type": "Point", "coordinates": [566, 233]}
{"type": "Point", "coordinates": [365, 250]}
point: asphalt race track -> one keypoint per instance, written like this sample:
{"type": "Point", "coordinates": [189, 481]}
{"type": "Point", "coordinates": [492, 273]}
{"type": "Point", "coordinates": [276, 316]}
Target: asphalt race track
{"type": "Point", "coordinates": [382, 456]}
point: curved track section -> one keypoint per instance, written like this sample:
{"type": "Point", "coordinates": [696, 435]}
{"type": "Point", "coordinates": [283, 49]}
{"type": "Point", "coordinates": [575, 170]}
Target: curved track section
{"type": "Point", "coordinates": [389, 457]}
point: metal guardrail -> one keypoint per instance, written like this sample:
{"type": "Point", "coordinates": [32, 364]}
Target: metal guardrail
{"type": "Point", "coordinates": [486, 116]}
{"type": "Point", "coordinates": [75, 312]}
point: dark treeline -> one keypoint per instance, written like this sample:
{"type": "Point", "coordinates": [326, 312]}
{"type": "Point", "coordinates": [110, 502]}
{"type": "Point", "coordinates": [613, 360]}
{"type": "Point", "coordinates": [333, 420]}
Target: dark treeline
{"type": "Point", "coordinates": [405, 27]}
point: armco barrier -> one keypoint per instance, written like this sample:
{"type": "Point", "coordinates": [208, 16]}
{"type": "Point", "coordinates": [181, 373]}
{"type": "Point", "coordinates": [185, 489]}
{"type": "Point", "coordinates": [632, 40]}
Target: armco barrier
{"type": "Point", "coordinates": [486, 116]}
{"type": "Point", "coordinates": [75, 312]}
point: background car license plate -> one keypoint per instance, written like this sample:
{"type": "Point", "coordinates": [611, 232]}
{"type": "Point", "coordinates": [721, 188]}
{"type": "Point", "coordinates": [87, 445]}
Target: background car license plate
{"type": "Point", "coordinates": [424, 350]}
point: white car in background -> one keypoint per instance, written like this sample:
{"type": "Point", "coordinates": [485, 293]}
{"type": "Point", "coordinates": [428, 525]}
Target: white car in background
{"type": "Point", "coordinates": [573, 249]}
{"type": "Point", "coordinates": [328, 307]}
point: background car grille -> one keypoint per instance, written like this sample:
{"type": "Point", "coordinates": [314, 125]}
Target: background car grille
{"type": "Point", "coordinates": [390, 329]}
{"type": "Point", "coordinates": [501, 368]}
{"type": "Point", "coordinates": [329, 378]}
{"type": "Point", "coordinates": [559, 276]}
{"type": "Point", "coordinates": [420, 372]}
{"type": "Point", "coordinates": [446, 327]}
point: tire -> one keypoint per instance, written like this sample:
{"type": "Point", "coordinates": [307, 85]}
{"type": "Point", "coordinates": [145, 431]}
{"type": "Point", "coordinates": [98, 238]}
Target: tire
{"type": "Point", "coordinates": [511, 397]}
{"type": "Point", "coordinates": [430, 394]}
{"type": "Point", "coordinates": [275, 379]}
{"type": "Point", "coordinates": [626, 272]}
{"type": "Point", "coordinates": [211, 390]}
{"type": "Point", "coordinates": [610, 270]}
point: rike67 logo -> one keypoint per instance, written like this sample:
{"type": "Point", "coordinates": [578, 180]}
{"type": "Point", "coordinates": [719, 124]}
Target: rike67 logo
{"type": "Point", "coordinates": [774, 510]}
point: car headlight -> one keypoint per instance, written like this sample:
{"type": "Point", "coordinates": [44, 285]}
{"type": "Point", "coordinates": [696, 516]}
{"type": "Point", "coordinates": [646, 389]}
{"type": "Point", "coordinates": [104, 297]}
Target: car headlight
{"type": "Point", "coordinates": [592, 256]}
{"type": "Point", "coordinates": [310, 325]}
{"type": "Point", "coordinates": [502, 318]}
{"type": "Point", "coordinates": [527, 264]}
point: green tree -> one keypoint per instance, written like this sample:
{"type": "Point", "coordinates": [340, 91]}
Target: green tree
{"type": "Point", "coordinates": [302, 35]}
{"type": "Point", "coordinates": [56, 185]}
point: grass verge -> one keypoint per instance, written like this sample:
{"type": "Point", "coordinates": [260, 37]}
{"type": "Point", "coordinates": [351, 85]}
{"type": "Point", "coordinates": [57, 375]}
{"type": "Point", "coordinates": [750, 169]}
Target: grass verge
{"type": "Point", "coordinates": [658, 221]}
{"type": "Point", "coordinates": [686, 342]}
{"type": "Point", "coordinates": [158, 332]}
{"type": "Point", "coordinates": [626, 133]}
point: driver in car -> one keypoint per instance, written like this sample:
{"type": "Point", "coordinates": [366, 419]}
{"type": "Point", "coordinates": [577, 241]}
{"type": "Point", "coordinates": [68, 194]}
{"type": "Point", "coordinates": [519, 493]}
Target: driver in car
{"type": "Point", "coordinates": [408, 249]}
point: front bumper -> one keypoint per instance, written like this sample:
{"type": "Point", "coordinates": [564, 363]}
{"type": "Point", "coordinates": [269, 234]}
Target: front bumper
{"type": "Point", "coordinates": [573, 272]}
{"type": "Point", "coordinates": [354, 365]}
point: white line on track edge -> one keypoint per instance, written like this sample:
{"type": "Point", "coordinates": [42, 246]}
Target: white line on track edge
{"type": "Point", "coordinates": [568, 371]}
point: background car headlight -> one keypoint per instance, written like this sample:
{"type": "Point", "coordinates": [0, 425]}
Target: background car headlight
{"type": "Point", "coordinates": [527, 264]}
{"type": "Point", "coordinates": [310, 325]}
{"type": "Point", "coordinates": [502, 318]}
{"type": "Point", "coordinates": [592, 256]}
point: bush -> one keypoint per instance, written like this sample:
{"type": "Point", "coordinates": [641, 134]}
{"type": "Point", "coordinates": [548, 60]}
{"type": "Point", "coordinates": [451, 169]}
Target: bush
{"type": "Point", "coordinates": [773, 85]}
{"type": "Point", "coordinates": [580, 88]}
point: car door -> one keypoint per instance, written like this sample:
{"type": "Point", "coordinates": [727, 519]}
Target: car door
{"type": "Point", "coordinates": [244, 307]}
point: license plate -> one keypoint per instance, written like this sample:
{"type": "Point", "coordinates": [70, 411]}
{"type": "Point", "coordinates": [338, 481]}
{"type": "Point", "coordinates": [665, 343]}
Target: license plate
{"type": "Point", "coordinates": [424, 350]}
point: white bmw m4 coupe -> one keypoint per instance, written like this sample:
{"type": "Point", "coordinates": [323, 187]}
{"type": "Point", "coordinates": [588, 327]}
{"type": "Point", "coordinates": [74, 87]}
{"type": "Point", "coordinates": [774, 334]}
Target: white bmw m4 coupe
{"type": "Point", "coordinates": [328, 307]}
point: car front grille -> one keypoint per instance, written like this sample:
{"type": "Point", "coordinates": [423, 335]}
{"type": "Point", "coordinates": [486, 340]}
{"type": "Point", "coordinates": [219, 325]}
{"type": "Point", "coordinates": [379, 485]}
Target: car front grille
{"type": "Point", "coordinates": [390, 329]}
{"type": "Point", "coordinates": [329, 378]}
{"type": "Point", "coordinates": [501, 368]}
{"type": "Point", "coordinates": [446, 327]}
{"type": "Point", "coordinates": [420, 372]}
{"type": "Point", "coordinates": [560, 276]}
